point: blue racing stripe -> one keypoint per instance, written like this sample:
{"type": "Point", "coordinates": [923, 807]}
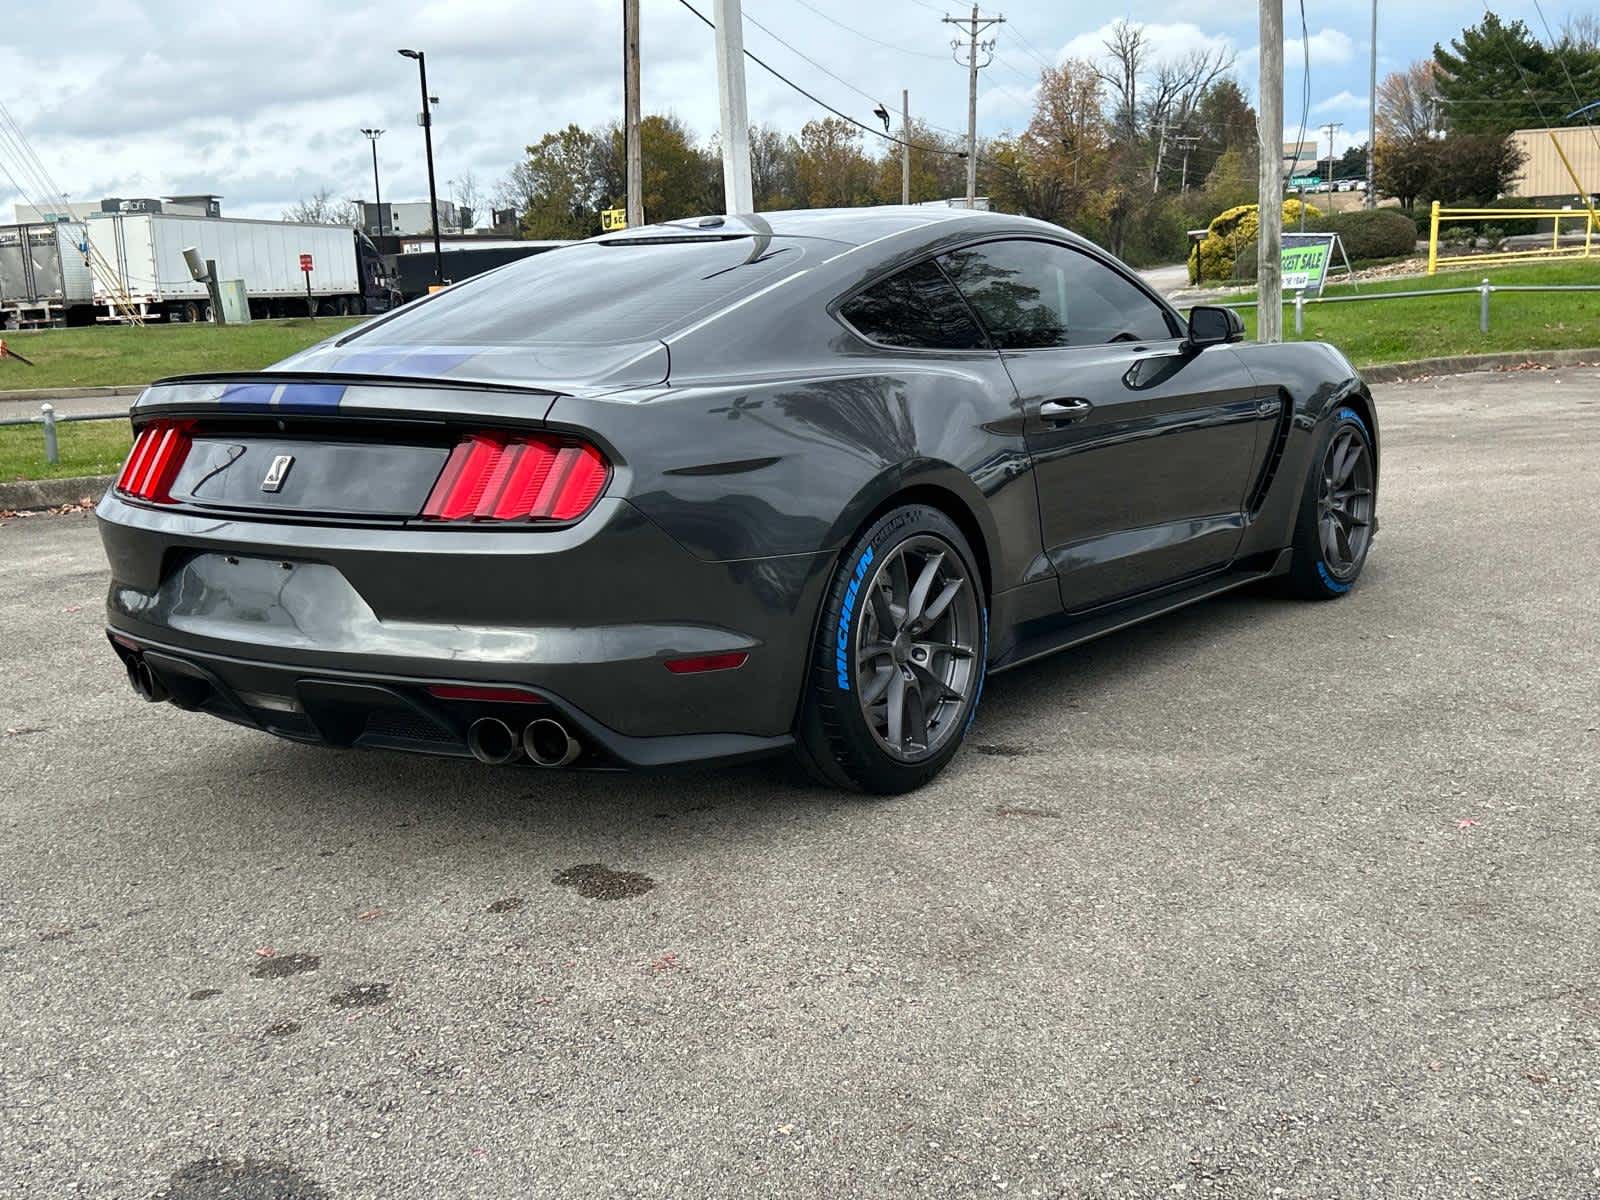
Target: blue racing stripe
{"type": "Point", "coordinates": [431, 362]}
{"type": "Point", "coordinates": [310, 397]}
{"type": "Point", "coordinates": [248, 395]}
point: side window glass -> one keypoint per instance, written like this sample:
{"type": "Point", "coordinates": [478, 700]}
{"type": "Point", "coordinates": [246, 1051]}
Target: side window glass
{"type": "Point", "coordinates": [916, 309]}
{"type": "Point", "coordinates": [1034, 294]}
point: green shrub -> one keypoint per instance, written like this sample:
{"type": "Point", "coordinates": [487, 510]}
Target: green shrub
{"type": "Point", "coordinates": [1229, 233]}
{"type": "Point", "coordinates": [1375, 233]}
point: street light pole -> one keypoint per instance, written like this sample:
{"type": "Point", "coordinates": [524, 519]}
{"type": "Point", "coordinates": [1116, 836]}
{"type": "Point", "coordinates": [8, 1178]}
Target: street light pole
{"type": "Point", "coordinates": [426, 119]}
{"type": "Point", "coordinates": [377, 196]}
{"type": "Point", "coordinates": [1372, 115]}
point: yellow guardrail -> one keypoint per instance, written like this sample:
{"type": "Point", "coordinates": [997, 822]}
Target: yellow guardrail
{"type": "Point", "coordinates": [1438, 216]}
{"type": "Point", "coordinates": [1586, 214]}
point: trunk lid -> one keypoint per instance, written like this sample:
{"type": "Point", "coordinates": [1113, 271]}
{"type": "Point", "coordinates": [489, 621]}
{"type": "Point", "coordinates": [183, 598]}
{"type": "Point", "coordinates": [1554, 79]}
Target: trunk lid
{"type": "Point", "coordinates": [302, 445]}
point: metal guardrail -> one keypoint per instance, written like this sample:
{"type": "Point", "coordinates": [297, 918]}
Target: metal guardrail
{"type": "Point", "coordinates": [48, 419]}
{"type": "Point", "coordinates": [1483, 291]}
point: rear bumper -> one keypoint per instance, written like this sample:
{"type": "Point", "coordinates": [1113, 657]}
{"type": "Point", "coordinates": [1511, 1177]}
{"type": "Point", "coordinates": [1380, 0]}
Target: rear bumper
{"type": "Point", "coordinates": [395, 713]}
{"type": "Point", "coordinates": [586, 616]}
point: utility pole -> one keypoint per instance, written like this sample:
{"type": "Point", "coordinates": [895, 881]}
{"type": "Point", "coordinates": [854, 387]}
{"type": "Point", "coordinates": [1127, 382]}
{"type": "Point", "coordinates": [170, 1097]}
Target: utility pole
{"type": "Point", "coordinates": [1269, 179]}
{"type": "Point", "coordinates": [630, 113]}
{"type": "Point", "coordinates": [905, 146]}
{"type": "Point", "coordinates": [1161, 150]}
{"type": "Point", "coordinates": [1372, 115]}
{"type": "Point", "coordinates": [975, 25]}
{"type": "Point", "coordinates": [738, 192]}
{"type": "Point", "coordinates": [377, 195]}
{"type": "Point", "coordinates": [1331, 128]}
{"type": "Point", "coordinates": [425, 119]}
{"type": "Point", "coordinates": [1186, 142]}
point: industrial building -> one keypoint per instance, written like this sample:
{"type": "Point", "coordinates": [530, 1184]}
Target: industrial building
{"type": "Point", "coordinates": [202, 204]}
{"type": "Point", "coordinates": [1544, 176]}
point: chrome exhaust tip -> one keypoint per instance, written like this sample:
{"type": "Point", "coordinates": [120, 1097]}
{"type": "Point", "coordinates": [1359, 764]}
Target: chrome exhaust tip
{"type": "Point", "coordinates": [145, 682]}
{"type": "Point", "coordinates": [491, 741]}
{"type": "Point", "coordinates": [548, 743]}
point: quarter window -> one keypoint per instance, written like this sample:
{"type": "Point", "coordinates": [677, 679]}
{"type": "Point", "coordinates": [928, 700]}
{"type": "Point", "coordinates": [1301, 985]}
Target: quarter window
{"type": "Point", "coordinates": [916, 309]}
{"type": "Point", "coordinates": [1036, 294]}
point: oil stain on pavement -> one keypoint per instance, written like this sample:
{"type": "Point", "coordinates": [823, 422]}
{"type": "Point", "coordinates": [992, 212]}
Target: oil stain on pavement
{"type": "Point", "coordinates": [281, 966]}
{"type": "Point", "coordinates": [245, 1179]}
{"type": "Point", "coordinates": [597, 882]}
{"type": "Point", "coordinates": [362, 995]}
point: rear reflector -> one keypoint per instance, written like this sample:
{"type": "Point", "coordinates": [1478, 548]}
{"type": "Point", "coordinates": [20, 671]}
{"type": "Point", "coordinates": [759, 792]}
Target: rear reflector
{"type": "Point", "coordinates": [494, 477]}
{"type": "Point", "coordinates": [487, 695]}
{"type": "Point", "coordinates": [153, 464]}
{"type": "Point", "coordinates": [708, 662]}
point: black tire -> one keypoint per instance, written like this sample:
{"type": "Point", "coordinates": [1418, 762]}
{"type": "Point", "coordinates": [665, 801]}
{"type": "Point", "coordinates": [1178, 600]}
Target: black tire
{"type": "Point", "coordinates": [927, 652]}
{"type": "Point", "coordinates": [191, 312]}
{"type": "Point", "coordinates": [1338, 514]}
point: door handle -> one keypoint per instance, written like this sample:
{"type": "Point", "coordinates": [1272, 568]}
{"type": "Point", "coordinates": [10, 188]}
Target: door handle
{"type": "Point", "coordinates": [1064, 412]}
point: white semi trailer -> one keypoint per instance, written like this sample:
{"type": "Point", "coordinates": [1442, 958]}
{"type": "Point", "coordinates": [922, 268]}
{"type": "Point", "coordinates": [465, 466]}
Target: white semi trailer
{"type": "Point", "coordinates": [44, 274]}
{"type": "Point", "coordinates": [137, 263]}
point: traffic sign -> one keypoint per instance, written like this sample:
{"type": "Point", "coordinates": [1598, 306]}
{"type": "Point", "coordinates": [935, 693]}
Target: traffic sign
{"type": "Point", "coordinates": [305, 262]}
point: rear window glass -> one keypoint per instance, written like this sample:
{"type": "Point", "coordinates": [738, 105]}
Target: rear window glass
{"type": "Point", "coordinates": [918, 308]}
{"type": "Point", "coordinates": [594, 293]}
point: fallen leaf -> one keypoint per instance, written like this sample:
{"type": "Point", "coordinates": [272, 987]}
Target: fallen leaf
{"type": "Point", "coordinates": [1537, 1077]}
{"type": "Point", "coordinates": [265, 952]}
{"type": "Point", "coordinates": [370, 914]}
{"type": "Point", "coordinates": [1467, 823]}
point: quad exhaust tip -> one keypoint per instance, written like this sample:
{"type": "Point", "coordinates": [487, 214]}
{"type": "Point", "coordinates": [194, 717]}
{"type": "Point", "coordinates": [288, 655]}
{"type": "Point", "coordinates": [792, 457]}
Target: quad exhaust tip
{"type": "Point", "coordinates": [549, 744]}
{"type": "Point", "coordinates": [492, 741]}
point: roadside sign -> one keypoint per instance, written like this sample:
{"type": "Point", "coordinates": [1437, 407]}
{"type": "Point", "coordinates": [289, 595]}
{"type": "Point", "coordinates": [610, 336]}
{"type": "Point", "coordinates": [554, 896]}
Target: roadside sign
{"type": "Point", "coordinates": [305, 262]}
{"type": "Point", "coordinates": [1305, 181]}
{"type": "Point", "coordinates": [613, 218]}
{"type": "Point", "coordinates": [1305, 260]}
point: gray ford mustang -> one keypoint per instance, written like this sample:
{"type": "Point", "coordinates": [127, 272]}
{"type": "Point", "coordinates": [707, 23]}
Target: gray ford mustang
{"type": "Point", "coordinates": [720, 488]}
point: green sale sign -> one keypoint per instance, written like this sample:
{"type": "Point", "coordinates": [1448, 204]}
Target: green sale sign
{"type": "Point", "coordinates": [1305, 260]}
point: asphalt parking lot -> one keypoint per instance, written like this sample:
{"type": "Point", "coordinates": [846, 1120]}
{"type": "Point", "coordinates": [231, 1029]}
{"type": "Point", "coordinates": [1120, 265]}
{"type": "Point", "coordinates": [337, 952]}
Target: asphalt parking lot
{"type": "Point", "coordinates": [1265, 899]}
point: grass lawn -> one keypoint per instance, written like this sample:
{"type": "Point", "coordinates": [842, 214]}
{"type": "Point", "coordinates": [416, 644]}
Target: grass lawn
{"type": "Point", "coordinates": [118, 355]}
{"type": "Point", "coordinates": [87, 448]}
{"type": "Point", "coordinates": [1436, 327]}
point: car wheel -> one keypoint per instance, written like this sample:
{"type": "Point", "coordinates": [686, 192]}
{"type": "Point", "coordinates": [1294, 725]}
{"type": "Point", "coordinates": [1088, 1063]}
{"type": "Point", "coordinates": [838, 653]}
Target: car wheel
{"type": "Point", "coordinates": [1337, 512]}
{"type": "Point", "coordinates": [901, 652]}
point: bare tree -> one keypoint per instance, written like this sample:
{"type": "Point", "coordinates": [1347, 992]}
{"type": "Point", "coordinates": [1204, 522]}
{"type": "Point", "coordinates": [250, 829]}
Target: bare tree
{"type": "Point", "coordinates": [320, 208]}
{"type": "Point", "coordinates": [1177, 91]}
{"type": "Point", "coordinates": [1581, 31]}
{"type": "Point", "coordinates": [1129, 49]}
{"type": "Point", "coordinates": [467, 194]}
{"type": "Point", "coordinates": [1406, 103]}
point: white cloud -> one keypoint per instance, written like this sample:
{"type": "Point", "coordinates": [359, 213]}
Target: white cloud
{"type": "Point", "coordinates": [1341, 101]}
{"type": "Point", "coordinates": [1166, 41]}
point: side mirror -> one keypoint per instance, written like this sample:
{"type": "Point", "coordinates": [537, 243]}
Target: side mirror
{"type": "Point", "coordinates": [1211, 325]}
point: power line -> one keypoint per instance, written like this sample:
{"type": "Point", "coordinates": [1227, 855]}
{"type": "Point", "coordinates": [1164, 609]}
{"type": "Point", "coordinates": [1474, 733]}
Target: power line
{"type": "Point", "coordinates": [867, 36]}
{"type": "Point", "coordinates": [1029, 47]}
{"type": "Point", "coordinates": [821, 103]}
{"type": "Point", "coordinates": [814, 62]}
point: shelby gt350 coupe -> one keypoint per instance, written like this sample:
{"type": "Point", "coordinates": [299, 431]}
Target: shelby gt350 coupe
{"type": "Point", "coordinates": [720, 488]}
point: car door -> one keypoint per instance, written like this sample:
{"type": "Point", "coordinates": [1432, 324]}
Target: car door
{"type": "Point", "coordinates": [1143, 447]}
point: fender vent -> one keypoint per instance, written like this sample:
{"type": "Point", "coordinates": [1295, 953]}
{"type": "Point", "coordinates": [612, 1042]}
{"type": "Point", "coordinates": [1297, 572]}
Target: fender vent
{"type": "Point", "coordinates": [1269, 469]}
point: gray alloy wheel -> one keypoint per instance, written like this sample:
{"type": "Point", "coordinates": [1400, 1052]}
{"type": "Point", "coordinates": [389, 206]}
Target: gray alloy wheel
{"type": "Point", "coordinates": [916, 648]}
{"type": "Point", "coordinates": [1338, 511]}
{"type": "Point", "coordinates": [1344, 502]}
{"type": "Point", "coordinates": [899, 661]}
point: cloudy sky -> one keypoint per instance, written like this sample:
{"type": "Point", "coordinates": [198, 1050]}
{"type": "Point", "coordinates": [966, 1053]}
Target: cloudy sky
{"type": "Point", "coordinates": [263, 101]}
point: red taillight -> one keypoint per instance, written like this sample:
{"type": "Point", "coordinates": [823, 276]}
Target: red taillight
{"type": "Point", "coordinates": [153, 464]}
{"type": "Point", "coordinates": [493, 477]}
{"type": "Point", "coordinates": [708, 662]}
{"type": "Point", "coordinates": [486, 694]}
